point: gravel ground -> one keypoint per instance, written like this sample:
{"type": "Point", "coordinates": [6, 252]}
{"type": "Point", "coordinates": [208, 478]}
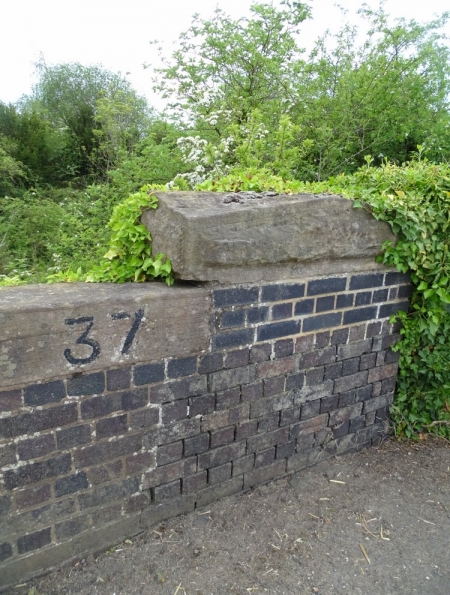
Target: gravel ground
{"type": "Point", "coordinates": [375, 522]}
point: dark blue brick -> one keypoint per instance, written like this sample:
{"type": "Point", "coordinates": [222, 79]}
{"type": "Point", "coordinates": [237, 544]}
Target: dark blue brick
{"type": "Point", "coordinates": [363, 281]}
{"type": "Point", "coordinates": [345, 300]}
{"type": "Point", "coordinates": [181, 367]}
{"type": "Point", "coordinates": [304, 307]}
{"type": "Point", "coordinates": [325, 303]}
{"type": "Point", "coordinates": [41, 394]}
{"type": "Point", "coordinates": [314, 323]}
{"type": "Point", "coordinates": [389, 309]}
{"type": "Point", "coordinates": [91, 384]}
{"type": "Point", "coordinates": [275, 293]}
{"type": "Point", "coordinates": [396, 278]}
{"type": "Point", "coordinates": [33, 541]}
{"type": "Point", "coordinates": [278, 329]}
{"type": "Point", "coordinates": [235, 296]}
{"type": "Point", "coordinates": [405, 291]}
{"type": "Point", "coordinates": [233, 339]}
{"type": "Point", "coordinates": [282, 311]}
{"type": "Point", "coordinates": [118, 379]}
{"type": "Point", "coordinates": [364, 298]}
{"type": "Point", "coordinates": [232, 318]}
{"type": "Point", "coordinates": [134, 398]}
{"type": "Point", "coordinates": [255, 315]}
{"type": "Point", "coordinates": [210, 363]}
{"type": "Point", "coordinates": [148, 373]}
{"type": "Point", "coordinates": [284, 348]}
{"type": "Point", "coordinates": [5, 551]}
{"type": "Point", "coordinates": [331, 285]}
{"type": "Point", "coordinates": [360, 314]}
{"type": "Point", "coordinates": [70, 485]}
{"type": "Point", "coordinates": [381, 295]}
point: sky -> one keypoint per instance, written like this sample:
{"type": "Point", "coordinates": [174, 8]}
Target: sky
{"type": "Point", "coordinates": [117, 33]}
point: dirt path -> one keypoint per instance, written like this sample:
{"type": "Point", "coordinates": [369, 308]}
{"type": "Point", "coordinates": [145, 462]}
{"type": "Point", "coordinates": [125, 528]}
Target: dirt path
{"type": "Point", "coordinates": [371, 523]}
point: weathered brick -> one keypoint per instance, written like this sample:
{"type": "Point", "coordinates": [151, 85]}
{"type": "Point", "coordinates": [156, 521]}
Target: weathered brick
{"type": "Point", "coordinates": [71, 484]}
{"type": "Point", "coordinates": [327, 404]}
{"type": "Point", "coordinates": [167, 491]}
{"type": "Point", "coordinates": [318, 358]}
{"type": "Point", "coordinates": [386, 371]}
{"type": "Point", "coordinates": [366, 280]}
{"type": "Point", "coordinates": [333, 371]}
{"type": "Point", "coordinates": [357, 423]}
{"type": "Point", "coordinates": [148, 374]}
{"type": "Point", "coordinates": [168, 453]}
{"type": "Point", "coordinates": [228, 398]}
{"type": "Point", "coordinates": [278, 329]}
{"type": "Point", "coordinates": [33, 541]}
{"type": "Point", "coordinates": [36, 447]}
{"type": "Point", "coordinates": [280, 311]}
{"type": "Point", "coordinates": [111, 426]}
{"type": "Point", "coordinates": [368, 360]}
{"type": "Point", "coordinates": [269, 423]}
{"type": "Point", "coordinates": [387, 310]}
{"type": "Point", "coordinates": [310, 409]}
{"type": "Point", "coordinates": [144, 418]}
{"type": "Point", "coordinates": [282, 291]}
{"type": "Point", "coordinates": [246, 429]}
{"type": "Point", "coordinates": [210, 363]}
{"type": "Point", "coordinates": [350, 366]}
{"type": "Point", "coordinates": [228, 378]}
{"type": "Point", "coordinates": [216, 492]}
{"type": "Point", "coordinates": [381, 355]}
{"type": "Point", "coordinates": [137, 502]}
{"type": "Point", "coordinates": [345, 300]}
{"type": "Point", "coordinates": [251, 392]}
{"type": "Point", "coordinates": [289, 416]}
{"type": "Point", "coordinates": [322, 339]}
{"type": "Point", "coordinates": [222, 436]}
{"type": "Point", "coordinates": [5, 505]}
{"type": "Point", "coordinates": [382, 414]}
{"type": "Point", "coordinates": [295, 381]}
{"type": "Point", "coordinates": [276, 367]}
{"type": "Point", "coordinates": [347, 398]}
{"type": "Point", "coordinates": [42, 394]}
{"type": "Point", "coordinates": [89, 384]}
{"type": "Point", "coordinates": [353, 381]}
{"type": "Point", "coordinates": [325, 303]}
{"type": "Point", "coordinates": [256, 315]}
{"type": "Point", "coordinates": [264, 474]}
{"type": "Point", "coordinates": [5, 551]}
{"type": "Point", "coordinates": [273, 386]}
{"type": "Point", "coordinates": [100, 406]}
{"type": "Point", "coordinates": [102, 495]}
{"type": "Point", "coordinates": [236, 358]}
{"type": "Point", "coordinates": [118, 379]}
{"type": "Point", "coordinates": [194, 483]}
{"type": "Point", "coordinates": [235, 296]}
{"type": "Point", "coordinates": [221, 455]}
{"type": "Point", "coordinates": [35, 472]}
{"type": "Point", "coordinates": [392, 356]}
{"type": "Point", "coordinates": [345, 413]}
{"type": "Point", "coordinates": [105, 514]}
{"type": "Point", "coordinates": [364, 392]}
{"type": "Point", "coordinates": [176, 368]}
{"type": "Point", "coordinates": [357, 333]}
{"type": "Point", "coordinates": [134, 399]}
{"type": "Point", "coordinates": [341, 429]}
{"type": "Point", "coordinates": [139, 462]}
{"type": "Point", "coordinates": [304, 343]}
{"type": "Point", "coordinates": [215, 420]}
{"type": "Point", "coordinates": [219, 474]}
{"type": "Point", "coordinates": [315, 376]}
{"type": "Point", "coordinates": [171, 472]}
{"type": "Point", "coordinates": [170, 433]}
{"type": "Point", "coordinates": [304, 459]}
{"type": "Point", "coordinates": [388, 385]}
{"type": "Point", "coordinates": [377, 403]}
{"type": "Point", "coordinates": [45, 419]}
{"type": "Point", "coordinates": [201, 405]}
{"type": "Point", "coordinates": [313, 323]}
{"type": "Point", "coordinates": [271, 404]}
{"type": "Point", "coordinates": [7, 454]}
{"type": "Point", "coordinates": [243, 465]}
{"type": "Point", "coordinates": [260, 353]}
{"type": "Point", "coordinates": [71, 527]}
{"type": "Point", "coordinates": [232, 338]}
{"type": "Point", "coordinates": [75, 436]}
{"type": "Point", "coordinates": [354, 349]}
{"type": "Point", "coordinates": [311, 393]}
{"type": "Point", "coordinates": [196, 444]}
{"type": "Point", "coordinates": [284, 348]}
{"type": "Point", "coordinates": [285, 450]}
{"type": "Point", "coordinates": [171, 412]}
{"type": "Point", "coordinates": [373, 329]}
{"type": "Point", "coordinates": [232, 318]}
{"type": "Point", "coordinates": [33, 495]}
{"type": "Point", "coordinates": [265, 457]}
{"type": "Point", "coordinates": [330, 285]}
{"type": "Point", "coordinates": [307, 426]}
{"type": "Point", "coordinates": [107, 451]}
{"type": "Point", "coordinates": [263, 441]}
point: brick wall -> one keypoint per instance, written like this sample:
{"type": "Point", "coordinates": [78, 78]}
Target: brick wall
{"type": "Point", "coordinates": [295, 372]}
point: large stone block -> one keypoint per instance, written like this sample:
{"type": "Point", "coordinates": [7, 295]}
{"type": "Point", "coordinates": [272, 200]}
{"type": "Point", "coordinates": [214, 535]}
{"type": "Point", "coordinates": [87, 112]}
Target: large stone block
{"type": "Point", "coordinates": [239, 238]}
{"type": "Point", "coordinates": [48, 331]}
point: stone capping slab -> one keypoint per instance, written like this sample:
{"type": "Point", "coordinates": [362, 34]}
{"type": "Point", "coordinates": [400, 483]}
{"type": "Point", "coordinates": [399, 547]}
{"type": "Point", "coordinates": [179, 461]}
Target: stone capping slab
{"type": "Point", "coordinates": [211, 236]}
{"type": "Point", "coordinates": [48, 331]}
